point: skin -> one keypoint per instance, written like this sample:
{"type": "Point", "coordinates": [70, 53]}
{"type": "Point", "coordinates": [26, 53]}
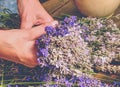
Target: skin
{"type": "Point", "coordinates": [32, 13]}
{"type": "Point", "coordinates": [18, 45]}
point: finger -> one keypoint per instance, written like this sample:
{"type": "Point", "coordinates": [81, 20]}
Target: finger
{"type": "Point", "coordinates": [43, 21]}
{"type": "Point", "coordinates": [43, 18]}
{"type": "Point", "coordinates": [36, 32]}
{"type": "Point", "coordinates": [26, 24]}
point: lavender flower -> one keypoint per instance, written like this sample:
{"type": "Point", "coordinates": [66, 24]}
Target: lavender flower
{"type": "Point", "coordinates": [71, 21]}
{"type": "Point", "coordinates": [49, 30]}
{"type": "Point", "coordinates": [44, 52]}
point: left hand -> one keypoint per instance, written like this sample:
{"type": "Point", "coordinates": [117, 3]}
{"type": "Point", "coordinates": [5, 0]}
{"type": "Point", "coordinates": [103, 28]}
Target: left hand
{"type": "Point", "coordinates": [18, 45]}
{"type": "Point", "coordinates": [32, 13]}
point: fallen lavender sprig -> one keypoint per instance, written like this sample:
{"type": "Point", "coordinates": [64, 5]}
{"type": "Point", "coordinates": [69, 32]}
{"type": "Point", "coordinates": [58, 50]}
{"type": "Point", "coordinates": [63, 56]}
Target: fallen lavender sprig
{"type": "Point", "coordinates": [69, 81]}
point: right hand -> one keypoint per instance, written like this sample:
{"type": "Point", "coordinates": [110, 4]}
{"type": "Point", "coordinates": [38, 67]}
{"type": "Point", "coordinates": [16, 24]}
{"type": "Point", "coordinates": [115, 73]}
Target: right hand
{"type": "Point", "coordinates": [32, 13]}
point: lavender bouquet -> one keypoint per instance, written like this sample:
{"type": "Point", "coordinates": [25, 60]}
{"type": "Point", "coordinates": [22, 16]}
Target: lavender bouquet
{"type": "Point", "coordinates": [81, 44]}
{"type": "Point", "coordinates": [78, 46]}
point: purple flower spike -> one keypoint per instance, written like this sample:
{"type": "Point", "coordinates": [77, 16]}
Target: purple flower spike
{"type": "Point", "coordinates": [28, 78]}
{"type": "Point", "coordinates": [63, 31]}
{"type": "Point", "coordinates": [44, 52]}
{"type": "Point", "coordinates": [63, 23]}
{"type": "Point", "coordinates": [66, 19]}
{"type": "Point", "coordinates": [71, 20]}
{"type": "Point", "coordinates": [47, 41]}
{"type": "Point", "coordinates": [71, 23]}
{"type": "Point", "coordinates": [116, 84]}
{"type": "Point", "coordinates": [49, 30]}
{"type": "Point", "coordinates": [74, 18]}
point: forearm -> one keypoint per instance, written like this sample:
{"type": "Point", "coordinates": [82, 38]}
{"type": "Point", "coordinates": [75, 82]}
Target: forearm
{"type": "Point", "coordinates": [27, 1]}
{"type": "Point", "coordinates": [6, 50]}
{"type": "Point", "coordinates": [25, 4]}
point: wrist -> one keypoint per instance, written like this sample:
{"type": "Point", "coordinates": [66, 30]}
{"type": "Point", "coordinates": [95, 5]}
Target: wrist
{"type": "Point", "coordinates": [7, 50]}
{"type": "Point", "coordinates": [26, 5]}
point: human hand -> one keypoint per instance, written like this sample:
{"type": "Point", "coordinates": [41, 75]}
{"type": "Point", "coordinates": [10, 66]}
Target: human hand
{"type": "Point", "coordinates": [18, 45]}
{"type": "Point", "coordinates": [32, 13]}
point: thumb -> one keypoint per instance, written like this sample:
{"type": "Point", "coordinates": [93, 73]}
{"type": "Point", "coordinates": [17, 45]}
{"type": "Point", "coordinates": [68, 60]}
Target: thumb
{"type": "Point", "coordinates": [37, 31]}
{"type": "Point", "coordinates": [26, 24]}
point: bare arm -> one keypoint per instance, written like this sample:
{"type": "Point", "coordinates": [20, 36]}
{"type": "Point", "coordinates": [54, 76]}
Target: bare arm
{"type": "Point", "coordinates": [32, 13]}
